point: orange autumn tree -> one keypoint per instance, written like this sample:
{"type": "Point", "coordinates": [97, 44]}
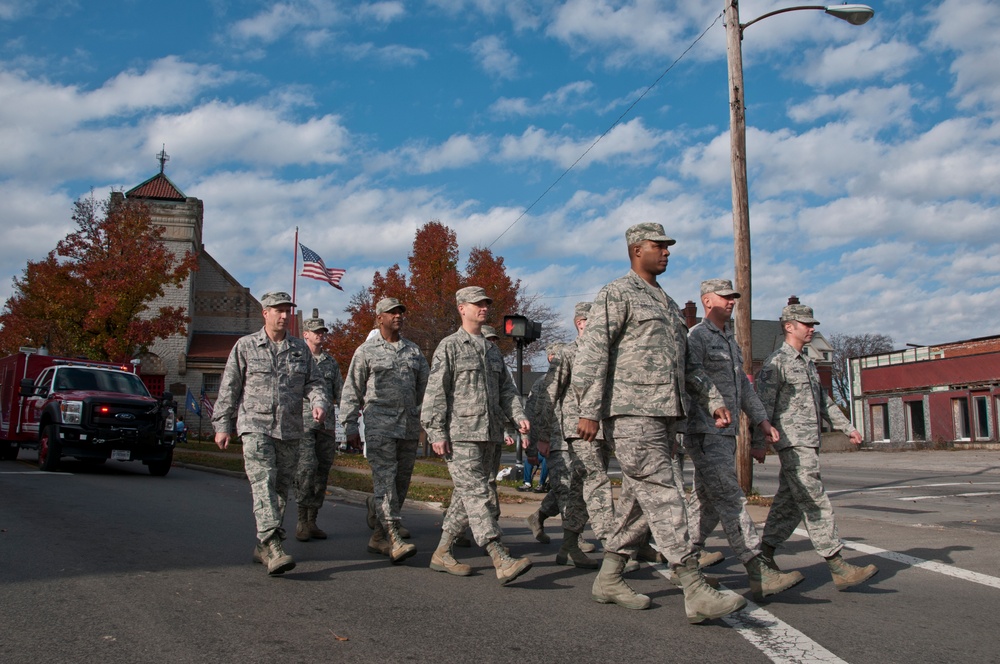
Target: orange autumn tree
{"type": "Point", "coordinates": [91, 296]}
{"type": "Point", "coordinates": [429, 296]}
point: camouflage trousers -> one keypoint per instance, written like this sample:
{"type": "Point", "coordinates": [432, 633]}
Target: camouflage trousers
{"type": "Point", "coordinates": [717, 495]}
{"type": "Point", "coordinates": [801, 496]}
{"type": "Point", "coordinates": [595, 457]}
{"type": "Point", "coordinates": [270, 466]}
{"type": "Point", "coordinates": [494, 469]}
{"type": "Point", "coordinates": [392, 461]}
{"type": "Point", "coordinates": [566, 473]}
{"type": "Point", "coordinates": [316, 451]}
{"type": "Point", "coordinates": [652, 498]}
{"type": "Point", "coordinates": [473, 502]}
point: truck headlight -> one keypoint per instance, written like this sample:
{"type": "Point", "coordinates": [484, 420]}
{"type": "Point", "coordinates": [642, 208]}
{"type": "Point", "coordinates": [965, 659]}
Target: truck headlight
{"type": "Point", "coordinates": [168, 426]}
{"type": "Point", "coordinates": [71, 411]}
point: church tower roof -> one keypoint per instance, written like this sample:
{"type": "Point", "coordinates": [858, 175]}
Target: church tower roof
{"type": "Point", "coordinates": [159, 187]}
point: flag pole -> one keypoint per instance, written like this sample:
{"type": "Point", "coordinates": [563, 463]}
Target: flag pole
{"type": "Point", "coordinates": [295, 278]}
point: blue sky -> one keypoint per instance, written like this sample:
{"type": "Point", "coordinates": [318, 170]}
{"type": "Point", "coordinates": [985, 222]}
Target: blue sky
{"type": "Point", "coordinates": [872, 150]}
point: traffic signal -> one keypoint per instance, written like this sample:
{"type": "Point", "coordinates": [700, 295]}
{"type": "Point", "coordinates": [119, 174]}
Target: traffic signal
{"type": "Point", "coordinates": [521, 328]}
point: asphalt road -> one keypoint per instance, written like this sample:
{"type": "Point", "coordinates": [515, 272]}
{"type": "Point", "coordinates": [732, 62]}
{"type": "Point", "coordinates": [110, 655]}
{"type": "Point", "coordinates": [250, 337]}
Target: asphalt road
{"type": "Point", "coordinates": [109, 564]}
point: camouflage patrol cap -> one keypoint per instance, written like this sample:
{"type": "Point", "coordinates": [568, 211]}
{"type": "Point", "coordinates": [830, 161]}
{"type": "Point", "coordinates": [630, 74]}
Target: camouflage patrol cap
{"type": "Point", "coordinates": [314, 325]}
{"type": "Point", "coordinates": [489, 332]}
{"type": "Point", "coordinates": [275, 299]}
{"type": "Point", "coordinates": [388, 304]}
{"type": "Point", "coordinates": [472, 294]}
{"type": "Point", "coordinates": [723, 287]}
{"type": "Point", "coordinates": [647, 231]}
{"type": "Point", "coordinates": [799, 312]}
{"type": "Point", "coordinates": [581, 311]}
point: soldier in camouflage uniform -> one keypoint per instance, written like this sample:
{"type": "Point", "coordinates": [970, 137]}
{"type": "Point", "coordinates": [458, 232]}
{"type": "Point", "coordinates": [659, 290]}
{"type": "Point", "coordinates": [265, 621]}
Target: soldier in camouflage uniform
{"type": "Point", "coordinates": [319, 439]}
{"type": "Point", "coordinates": [588, 491]}
{"type": "Point", "coordinates": [630, 373]}
{"type": "Point", "coordinates": [717, 494]}
{"type": "Point", "coordinates": [469, 397]}
{"type": "Point", "coordinates": [386, 379]}
{"type": "Point", "coordinates": [794, 400]}
{"type": "Point", "coordinates": [267, 376]}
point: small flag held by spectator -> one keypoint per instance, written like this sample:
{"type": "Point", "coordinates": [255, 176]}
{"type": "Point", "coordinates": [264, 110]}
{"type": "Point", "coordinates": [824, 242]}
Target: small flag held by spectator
{"type": "Point", "coordinates": [314, 268]}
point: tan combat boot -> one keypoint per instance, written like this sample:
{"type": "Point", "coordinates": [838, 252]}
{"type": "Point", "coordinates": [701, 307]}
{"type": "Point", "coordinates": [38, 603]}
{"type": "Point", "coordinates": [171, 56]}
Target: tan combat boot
{"type": "Point", "coordinates": [314, 531]}
{"type": "Point", "coordinates": [845, 575]}
{"type": "Point", "coordinates": [701, 601]}
{"type": "Point", "coordinates": [508, 567]}
{"type": "Point", "coordinates": [398, 549]}
{"type": "Point", "coordinates": [260, 553]}
{"type": "Point", "coordinates": [570, 553]}
{"type": "Point", "coordinates": [610, 588]}
{"type": "Point", "coordinates": [378, 543]}
{"type": "Point", "coordinates": [587, 547]}
{"type": "Point", "coordinates": [443, 561]}
{"type": "Point", "coordinates": [403, 532]}
{"type": "Point", "coordinates": [278, 562]}
{"type": "Point", "coordinates": [709, 558]}
{"type": "Point", "coordinates": [536, 522]}
{"type": "Point", "coordinates": [765, 581]}
{"type": "Point", "coordinates": [302, 527]}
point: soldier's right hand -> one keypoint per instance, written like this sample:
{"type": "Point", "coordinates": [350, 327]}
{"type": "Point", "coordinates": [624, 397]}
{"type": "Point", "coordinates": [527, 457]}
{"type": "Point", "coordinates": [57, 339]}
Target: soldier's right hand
{"type": "Point", "coordinates": [587, 429]}
{"type": "Point", "coordinates": [222, 440]}
{"type": "Point", "coordinates": [442, 448]}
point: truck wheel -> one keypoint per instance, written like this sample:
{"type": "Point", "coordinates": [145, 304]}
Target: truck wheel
{"type": "Point", "coordinates": [161, 468]}
{"type": "Point", "coordinates": [9, 451]}
{"type": "Point", "coordinates": [49, 449]}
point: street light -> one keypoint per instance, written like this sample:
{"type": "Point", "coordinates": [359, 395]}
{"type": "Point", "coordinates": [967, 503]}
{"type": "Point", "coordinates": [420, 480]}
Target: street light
{"type": "Point", "coordinates": [853, 14]}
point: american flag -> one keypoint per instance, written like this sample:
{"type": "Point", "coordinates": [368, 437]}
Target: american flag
{"type": "Point", "coordinates": [314, 268]}
{"type": "Point", "coordinates": [206, 405]}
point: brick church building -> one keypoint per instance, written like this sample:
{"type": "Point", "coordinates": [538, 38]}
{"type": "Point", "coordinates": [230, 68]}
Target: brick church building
{"type": "Point", "coordinates": [220, 308]}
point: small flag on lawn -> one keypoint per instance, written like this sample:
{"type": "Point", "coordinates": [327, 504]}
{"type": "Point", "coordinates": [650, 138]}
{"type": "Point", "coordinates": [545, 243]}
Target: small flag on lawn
{"type": "Point", "coordinates": [314, 268]}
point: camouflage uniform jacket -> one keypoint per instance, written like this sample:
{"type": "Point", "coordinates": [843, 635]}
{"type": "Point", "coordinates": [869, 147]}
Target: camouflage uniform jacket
{"type": "Point", "coordinates": [715, 351]}
{"type": "Point", "coordinates": [330, 371]}
{"type": "Point", "coordinates": [561, 399]}
{"type": "Point", "coordinates": [631, 357]}
{"type": "Point", "coordinates": [264, 389]}
{"type": "Point", "coordinates": [469, 395]}
{"type": "Point", "coordinates": [544, 416]}
{"type": "Point", "coordinates": [387, 381]}
{"type": "Point", "coordinates": [794, 399]}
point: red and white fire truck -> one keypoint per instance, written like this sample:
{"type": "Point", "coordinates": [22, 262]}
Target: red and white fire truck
{"type": "Point", "coordinates": [93, 411]}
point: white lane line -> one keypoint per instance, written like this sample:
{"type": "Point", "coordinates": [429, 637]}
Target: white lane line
{"type": "Point", "coordinates": [776, 639]}
{"type": "Point", "coordinates": [951, 495]}
{"type": "Point", "coordinates": [892, 487]}
{"type": "Point", "coordinates": [931, 566]}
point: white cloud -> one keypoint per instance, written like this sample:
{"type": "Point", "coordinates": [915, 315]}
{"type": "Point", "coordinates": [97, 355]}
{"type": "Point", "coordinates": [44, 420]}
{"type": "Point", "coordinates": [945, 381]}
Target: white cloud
{"type": "Point", "coordinates": [217, 133]}
{"type": "Point", "coordinates": [856, 60]}
{"type": "Point", "coordinates": [631, 140]}
{"type": "Point", "coordinates": [381, 12]}
{"type": "Point", "coordinates": [394, 54]}
{"type": "Point", "coordinates": [282, 18]}
{"type": "Point", "coordinates": [494, 57]}
{"type": "Point", "coordinates": [969, 28]}
{"type": "Point", "coordinates": [421, 157]}
{"type": "Point", "coordinates": [566, 99]}
{"type": "Point", "coordinates": [873, 108]}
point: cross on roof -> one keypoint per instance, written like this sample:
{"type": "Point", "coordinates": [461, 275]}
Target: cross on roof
{"type": "Point", "coordinates": [163, 157]}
